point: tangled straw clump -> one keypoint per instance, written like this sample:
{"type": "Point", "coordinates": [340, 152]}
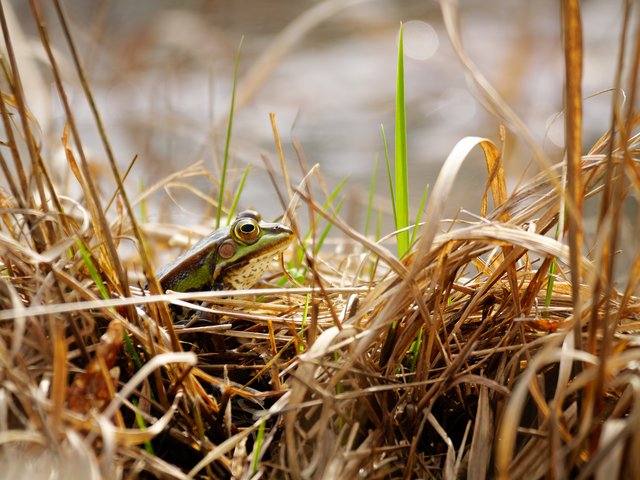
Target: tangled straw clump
{"type": "Point", "coordinates": [446, 368]}
{"type": "Point", "coordinates": [498, 346]}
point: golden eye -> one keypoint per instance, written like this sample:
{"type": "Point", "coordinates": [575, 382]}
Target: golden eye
{"type": "Point", "coordinates": [247, 230]}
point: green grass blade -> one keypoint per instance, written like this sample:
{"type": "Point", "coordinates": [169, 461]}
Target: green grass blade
{"type": "Point", "coordinates": [144, 213]}
{"type": "Point", "coordinates": [423, 201]}
{"type": "Point", "coordinates": [372, 191]}
{"type": "Point", "coordinates": [327, 228]}
{"type": "Point", "coordinates": [93, 271]}
{"type": "Point", "coordinates": [551, 278]}
{"type": "Point", "coordinates": [143, 425]}
{"type": "Point", "coordinates": [258, 446]}
{"type": "Point", "coordinates": [389, 176]}
{"type": "Point", "coordinates": [236, 197]}
{"type": "Point", "coordinates": [225, 160]}
{"type": "Point", "coordinates": [373, 262]}
{"type": "Point", "coordinates": [305, 315]}
{"type": "Point", "coordinates": [415, 350]}
{"type": "Point", "coordinates": [321, 238]}
{"type": "Point", "coordinates": [97, 279]}
{"type": "Point", "coordinates": [401, 172]}
{"type": "Point", "coordinates": [294, 265]}
{"type": "Point", "coordinates": [325, 206]}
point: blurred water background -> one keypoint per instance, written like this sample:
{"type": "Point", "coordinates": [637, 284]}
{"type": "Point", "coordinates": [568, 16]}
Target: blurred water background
{"type": "Point", "coordinates": [162, 73]}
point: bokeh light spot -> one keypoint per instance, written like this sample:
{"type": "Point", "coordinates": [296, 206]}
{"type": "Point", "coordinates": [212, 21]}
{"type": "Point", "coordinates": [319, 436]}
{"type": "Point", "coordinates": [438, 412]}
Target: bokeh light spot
{"type": "Point", "coordinates": [420, 40]}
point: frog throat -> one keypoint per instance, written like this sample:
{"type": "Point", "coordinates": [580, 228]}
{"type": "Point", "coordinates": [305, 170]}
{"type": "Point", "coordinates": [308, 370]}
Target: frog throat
{"type": "Point", "coordinates": [240, 273]}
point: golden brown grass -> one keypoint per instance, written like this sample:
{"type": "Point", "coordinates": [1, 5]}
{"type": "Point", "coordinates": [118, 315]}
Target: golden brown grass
{"type": "Point", "coordinates": [461, 360]}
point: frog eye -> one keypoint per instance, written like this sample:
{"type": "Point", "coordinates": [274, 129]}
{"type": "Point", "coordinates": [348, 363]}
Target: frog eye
{"type": "Point", "coordinates": [247, 230]}
{"type": "Point", "coordinates": [227, 249]}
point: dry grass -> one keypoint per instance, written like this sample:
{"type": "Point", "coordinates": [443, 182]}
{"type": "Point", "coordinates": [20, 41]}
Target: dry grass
{"type": "Point", "coordinates": [462, 360]}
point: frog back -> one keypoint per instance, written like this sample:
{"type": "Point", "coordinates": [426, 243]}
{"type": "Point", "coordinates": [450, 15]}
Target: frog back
{"type": "Point", "coordinates": [194, 270]}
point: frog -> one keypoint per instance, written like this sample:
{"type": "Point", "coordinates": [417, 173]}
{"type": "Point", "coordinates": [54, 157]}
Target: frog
{"type": "Point", "coordinates": [231, 258]}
